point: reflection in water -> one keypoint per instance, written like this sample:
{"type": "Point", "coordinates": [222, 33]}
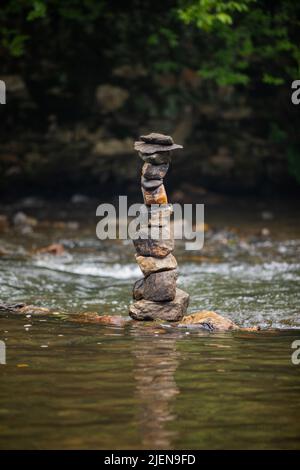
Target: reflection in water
{"type": "Point", "coordinates": [155, 362]}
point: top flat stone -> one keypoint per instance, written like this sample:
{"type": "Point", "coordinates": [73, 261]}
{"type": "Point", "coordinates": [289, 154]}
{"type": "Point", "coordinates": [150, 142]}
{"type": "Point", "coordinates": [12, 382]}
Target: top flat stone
{"type": "Point", "coordinates": [155, 143]}
{"type": "Point", "coordinates": [149, 149]}
{"type": "Point", "coordinates": [157, 139]}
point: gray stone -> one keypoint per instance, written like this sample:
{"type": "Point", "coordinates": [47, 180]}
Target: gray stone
{"type": "Point", "coordinates": [155, 138]}
{"type": "Point", "coordinates": [170, 311]}
{"type": "Point", "coordinates": [160, 287]}
{"type": "Point", "coordinates": [149, 149]}
{"type": "Point", "coordinates": [149, 264]}
{"type": "Point", "coordinates": [151, 184]}
{"type": "Point", "coordinates": [155, 158]}
{"type": "Point", "coordinates": [153, 172]}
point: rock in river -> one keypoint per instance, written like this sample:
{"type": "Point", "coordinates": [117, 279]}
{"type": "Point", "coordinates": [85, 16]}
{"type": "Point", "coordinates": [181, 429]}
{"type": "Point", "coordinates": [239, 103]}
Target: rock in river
{"type": "Point", "coordinates": [160, 287]}
{"type": "Point", "coordinates": [149, 264]}
{"type": "Point", "coordinates": [158, 248]}
{"type": "Point", "coordinates": [208, 320]}
{"type": "Point", "coordinates": [169, 311]}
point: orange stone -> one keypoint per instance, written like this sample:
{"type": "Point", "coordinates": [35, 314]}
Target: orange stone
{"type": "Point", "coordinates": [158, 196]}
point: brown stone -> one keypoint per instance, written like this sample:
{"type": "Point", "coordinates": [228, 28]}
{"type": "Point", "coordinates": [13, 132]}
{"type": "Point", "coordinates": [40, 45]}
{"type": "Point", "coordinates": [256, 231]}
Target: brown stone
{"type": "Point", "coordinates": [209, 320]}
{"type": "Point", "coordinates": [157, 196]}
{"type": "Point", "coordinates": [138, 289]}
{"type": "Point", "coordinates": [169, 311]}
{"type": "Point", "coordinates": [212, 321]}
{"type": "Point", "coordinates": [158, 248]}
{"type": "Point", "coordinates": [24, 309]}
{"type": "Point", "coordinates": [149, 264]}
{"type": "Point", "coordinates": [107, 320]}
{"type": "Point", "coordinates": [151, 184]}
{"type": "Point", "coordinates": [153, 172]}
{"type": "Point", "coordinates": [160, 287]}
{"type": "Point", "coordinates": [55, 249]}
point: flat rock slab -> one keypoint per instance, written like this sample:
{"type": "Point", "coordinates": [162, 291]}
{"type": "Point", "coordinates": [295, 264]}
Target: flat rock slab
{"type": "Point", "coordinates": [24, 309]}
{"type": "Point", "coordinates": [93, 317]}
{"type": "Point", "coordinates": [149, 149]}
{"type": "Point", "coordinates": [156, 138]}
{"type": "Point", "coordinates": [153, 172]}
{"type": "Point", "coordinates": [158, 248]}
{"type": "Point", "coordinates": [145, 310]}
{"type": "Point", "coordinates": [149, 264]}
{"type": "Point", "coordinates": [208, 320]}
{"type": "Point", "coordinates": [212, 321]}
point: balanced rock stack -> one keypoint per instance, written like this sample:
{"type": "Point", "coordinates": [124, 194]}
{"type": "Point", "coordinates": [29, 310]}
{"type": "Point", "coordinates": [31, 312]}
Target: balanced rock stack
{"type": "Point", "coordinates": [156, 295]}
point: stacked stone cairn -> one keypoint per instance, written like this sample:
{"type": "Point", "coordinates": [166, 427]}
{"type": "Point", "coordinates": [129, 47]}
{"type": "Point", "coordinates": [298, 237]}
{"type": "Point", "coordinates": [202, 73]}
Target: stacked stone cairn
{"type": "Point", "coordinates": [156, 295]}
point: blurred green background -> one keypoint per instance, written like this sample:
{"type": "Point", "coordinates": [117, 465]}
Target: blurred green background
{"type": "Point", "coordinates": [85, 77]}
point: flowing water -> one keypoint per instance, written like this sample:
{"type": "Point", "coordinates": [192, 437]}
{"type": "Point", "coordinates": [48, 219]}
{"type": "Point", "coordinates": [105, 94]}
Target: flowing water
{"type": "Point", "coordinates": [74, 385]}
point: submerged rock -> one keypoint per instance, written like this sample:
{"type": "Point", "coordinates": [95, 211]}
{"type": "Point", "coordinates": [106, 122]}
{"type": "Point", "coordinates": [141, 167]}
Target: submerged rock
{"type": "Point", "coordinates": [93, 317]}
{"type": "Point", "coordinates": [169, 311]}
{"type": "Point", "coordinates": [149, 264]}
{"type": "Point", "coordinates": [55, 249]}
{"type": "Point", "coordinates": [24, 309]}
{"type": "Point", "coordinates": [211, 321]}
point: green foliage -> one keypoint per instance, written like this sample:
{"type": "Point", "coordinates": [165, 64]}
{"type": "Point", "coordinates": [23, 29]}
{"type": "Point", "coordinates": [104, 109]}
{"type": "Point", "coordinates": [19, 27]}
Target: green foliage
{"type": "Point", "coordinates": [210, 14]}
{"type": "Point", "coordinates": [247, 35]}
{"type": "Point", "coordinates": [39, 10]}
{"type": "Point", "coordinates": [233, 42]}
